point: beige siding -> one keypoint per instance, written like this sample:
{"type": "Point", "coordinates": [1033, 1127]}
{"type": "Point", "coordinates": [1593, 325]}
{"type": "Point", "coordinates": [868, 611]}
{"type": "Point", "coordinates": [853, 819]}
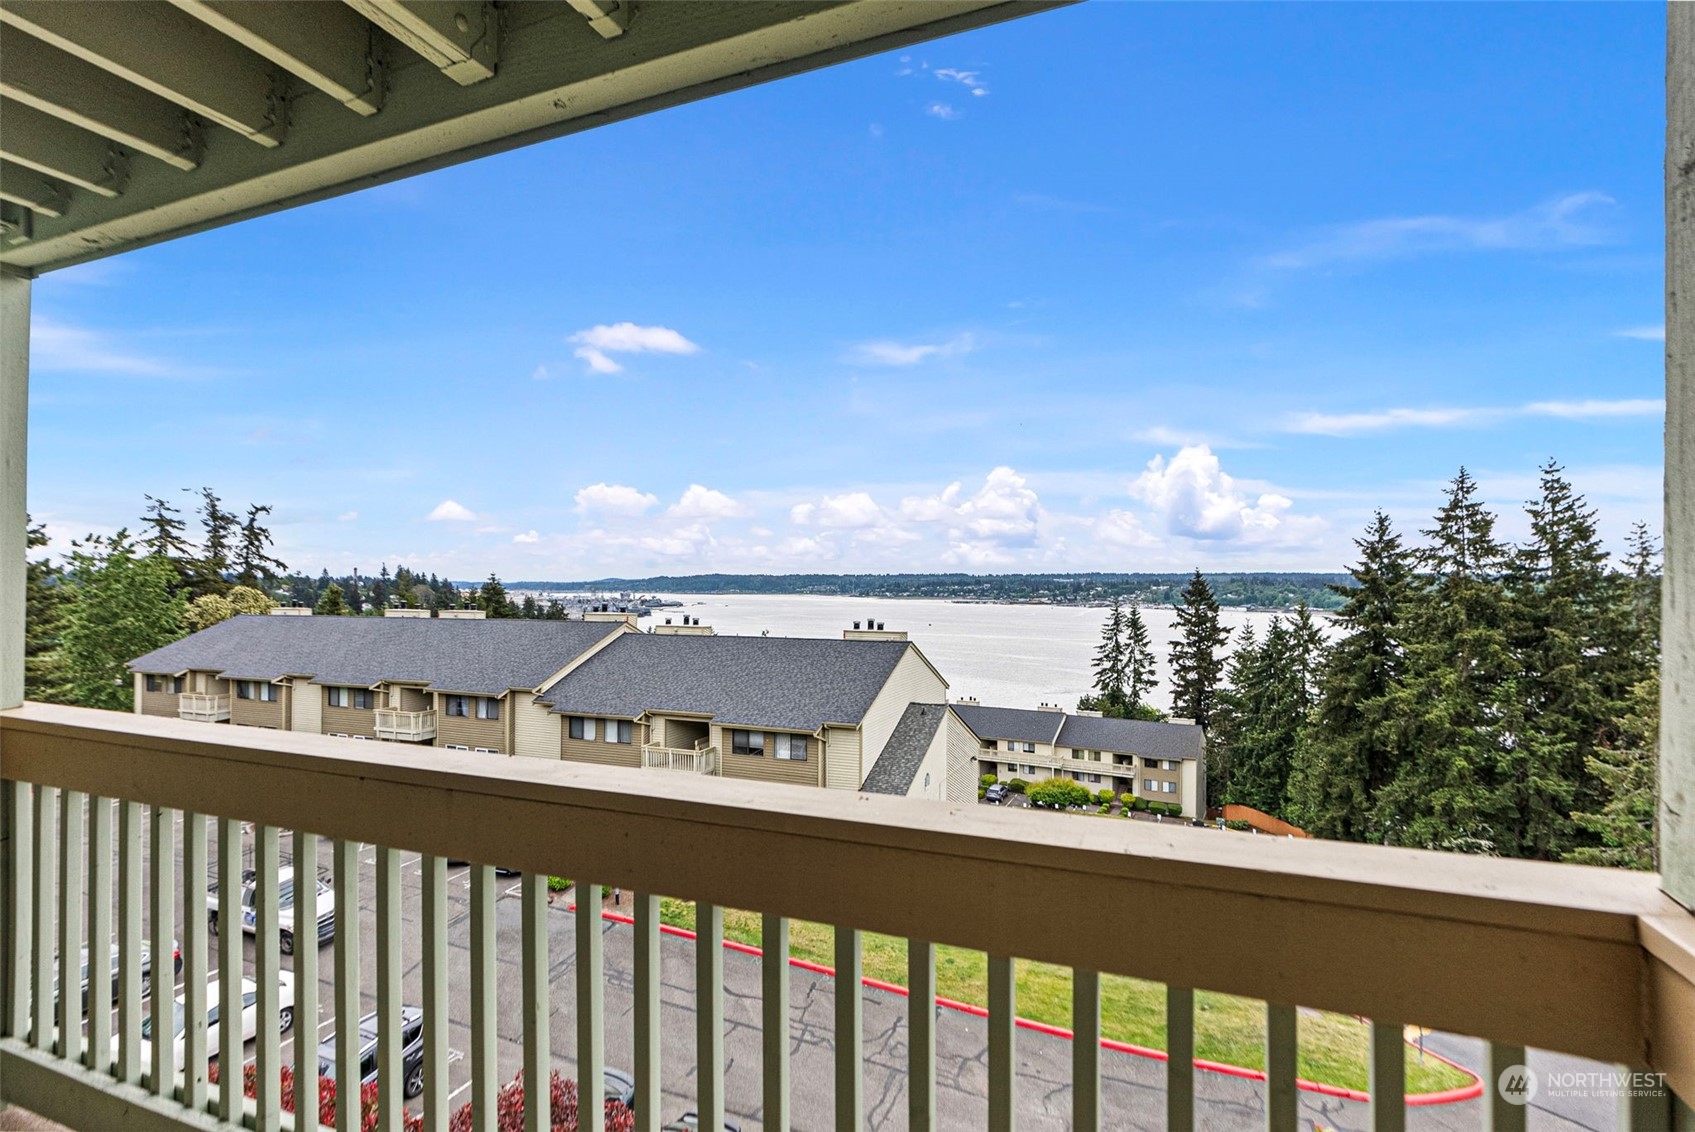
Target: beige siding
{"type": "Point", "coordinates": [306, 709]}
{"type": "Point", "coordinates": [259, 713]}
{"type": "Point", "coordinates": [536, 730]}
{"type": "Point", "coordinates": [598, 750]}
{"type": "Point", "coordinates": [1194, 805]}
{"type": "Point", "coordinates": [912, 682]}
{"type": "Point", "coordinates": [156, 703]}
{"type": "Point", "coordinates": [415, 699]}
{"type": "Point", "coordinates": [469, 731]}
{"type": "Point", "coordinates": [138, 689]}
{"type": "Point", "coordinates": [347, 720]}
{"type": "Point", "coordinates": [842, 758]}
{"type": "Point", "coordinates": [767, 767]}
{"type": "Point", "coordinates": [962, 773]}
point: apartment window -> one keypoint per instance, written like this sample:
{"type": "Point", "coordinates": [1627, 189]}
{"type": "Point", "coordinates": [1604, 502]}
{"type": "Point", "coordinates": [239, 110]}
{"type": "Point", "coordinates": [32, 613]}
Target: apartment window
{"type": "Point", "coordinates": [459, 706]}
{"type": "Point", "coordinates": [336, 697]}
{"type": "Point", "coordinates": [581, 728]}
{"type": "Point", "coordinates": [1168, 765]}
{"type": "Point", "coordinates": [1150, 786]}
{"type": "Point", "coordinates": [619, 730]}
{"type": "Point", "coordinates": [1095, 778]}
{"type": "Point", "coordinates": [176, 684]}
{"type": "Point", "coordinates": [1168, 787]}
{"type": "Point", "coordinates": [362, 697]}
{"type": "Point", "coordinates": [255, 690]}
{"type": "Point", "coordinates": [152, 683]}
{"type": "Point", "coordinates": [988, 744]}
{"type": "Point", "coordinates": [244, 689]}
{"type": "Point", "coordinates": [1151, 764]}
{"type": "Point", "coordinates": [747, 743]}
{"type": "Point", "coordinates": [1028, 769]}
{"type": "Point", "coordinates": [1029, 748]}
{"type": "Point", "coordinates": [792, 747]}
{"type": "Point", "coordinates": [488, 708]}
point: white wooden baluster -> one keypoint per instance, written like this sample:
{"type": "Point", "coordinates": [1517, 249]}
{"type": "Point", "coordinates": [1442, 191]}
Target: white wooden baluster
{"type": "Point", "coordinates": [774, 1020]}
{"type": "Point", "coordinates": [1281, 1099]}
{"type": "Point", "coordinates": [231, 1100]}
{"type": "Point", "coordinates": [484, 1071]}
{"type": "Point", "coordinates": [194, 961]}
{"type": "Point", "coordinates": [591, 1003]}
{"type": "Point", "coordinates": [646, 1011]}
{"type": "Point", "coordinates": [850, 1031]}
{"type": "Point", "coordinates": [1500, 1114]}
{"type": "Point", "coordinates": [1388, 1078]}
{"type": "Point", "coordinates": [305, 974]}
{"type": "Point", "coordinates": [1085, 1051]}
{"type": "Point", "coordinates": [71, 999]}
{"type": "Point", "coordinates": [20, 861]}
{"type": "Point", "coordinates": [1003, 1030]}
{"type": "Point", "coordinates": [921, 1036]}
{"type": "Point", "coordinates": [101, 973]}
{"type": "Point", "coordinates": [267, 971]}
{"type": "Point", "coordinates": [129, 942]}
{"type": "Point", "coordinates": [1644, 1108]}
{"type": "Point", "coordinates": [709, 1013]}
{"type": "Point", "coordinates": [1180, 1059]}
{"type": "Point", "coordinates": [46, 890]}
{"type": "Point", "coordinates": [436, 1088]}
{"type": "Point", "coordinates": [162, 910]}
{"type": "Point", "coordinates": [389, 1069]}
{"type": "Point", "coordinates": [538, 1061]}
{"type": "Point", "coordinates": [349, 1007]}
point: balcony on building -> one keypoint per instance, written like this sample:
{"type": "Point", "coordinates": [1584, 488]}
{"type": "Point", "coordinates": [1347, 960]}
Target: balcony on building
{"type": "Point", "coordinates": [203, 707]}
{"type": "Point", "coordinates": [406, 726]}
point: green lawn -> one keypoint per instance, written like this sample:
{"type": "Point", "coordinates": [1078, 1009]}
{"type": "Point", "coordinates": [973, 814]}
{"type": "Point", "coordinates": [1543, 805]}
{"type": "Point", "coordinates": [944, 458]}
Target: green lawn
{"type": "Point", "coordinates": [1333, 1047]}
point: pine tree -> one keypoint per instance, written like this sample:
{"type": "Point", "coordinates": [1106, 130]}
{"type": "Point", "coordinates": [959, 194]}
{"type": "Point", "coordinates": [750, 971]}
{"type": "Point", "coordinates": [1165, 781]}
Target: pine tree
{"type": "Point", "coordinates": [331, 603]}
{"type": "Point", "coordinates": [354, 592]}
{"type": "Point", "coordinates": [492, 599]}
{"type": "Point", "coordinates": [1625, 824]}
{"type": "Point", "coordinates": [1110, 665]}
{"type": "Point", "coordinates": [255, 567]}
{"type": "Point", "coordinates": [1140, 677]}
{"type": "Point", "coordinates": [381, 589]}
{"type": "Point", "coordinates": [1195, 661]}
{"type": "Point", "coordinates": [167, 539]}
{"type": "Point", "coordinates": [1353, 747]}
{"type": "Point", "coordinates": [207, 572]}
{"type": "Point", "coordinates": [45, 596]}
{"type": "Point", "coordinates": [121, 606]}
{"type": "Point", "coordinates": [1455, 694]}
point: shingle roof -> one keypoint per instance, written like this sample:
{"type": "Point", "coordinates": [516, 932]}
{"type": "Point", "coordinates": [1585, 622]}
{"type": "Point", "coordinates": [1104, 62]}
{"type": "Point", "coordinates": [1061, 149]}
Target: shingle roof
{"type": "Point", "coordinates": [475, 657]}
{"type": "Point", "coordinates": [793, 683]}
{"type": "Point", "coordinates": [1133, 737]}
{"type": "Point", "coordinates": [1022, 724]}
{"type": "Point", "coordinates": [904, 753]}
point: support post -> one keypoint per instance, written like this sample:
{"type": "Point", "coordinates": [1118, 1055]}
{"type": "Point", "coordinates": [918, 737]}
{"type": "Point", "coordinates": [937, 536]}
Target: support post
{"type": "Point", "coordinates": [14, 441]}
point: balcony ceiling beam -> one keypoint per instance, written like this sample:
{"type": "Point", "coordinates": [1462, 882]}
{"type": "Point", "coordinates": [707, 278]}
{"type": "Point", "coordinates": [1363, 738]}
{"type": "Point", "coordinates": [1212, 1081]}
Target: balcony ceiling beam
{"type": "Point", "coordinates": [53, 146]}
{"type": "Point", "coordinates": [165, 51]}
{"type": "Point", "coordinates": [38, 193]}
{"type": "Point", "coordinates": [325, 45]}
{"type": "Point", "coordinates": [56, 83]}
{"type": "Point", "coordinates": [610, 18]}
{"type": "Point", "coordinates": [460, 38]}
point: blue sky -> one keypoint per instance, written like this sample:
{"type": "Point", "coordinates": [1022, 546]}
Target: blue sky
{"type": "Point", "coordinates": [1121, 287]}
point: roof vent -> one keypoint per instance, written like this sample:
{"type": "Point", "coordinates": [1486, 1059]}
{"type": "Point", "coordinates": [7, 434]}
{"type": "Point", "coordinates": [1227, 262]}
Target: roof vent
{"type": "Point", "coordinates": [856, 624]}
{"type": "Point", "coordinates": [972, 701]}
{"type": "Point", "coordinates": [1049, 707]}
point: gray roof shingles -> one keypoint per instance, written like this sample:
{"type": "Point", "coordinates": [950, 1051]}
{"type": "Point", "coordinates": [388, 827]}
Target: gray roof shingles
{"type": "Point", "coordinates": [470, 656]}
{"type": "Point", "coordinates": [789, 683]}
{"type": "Point", "coordinates": [1133, 737]}
{"type": "Point", "coordinates": [1023, 724]}
{"type": "Point", "coordinates": [904, 753]}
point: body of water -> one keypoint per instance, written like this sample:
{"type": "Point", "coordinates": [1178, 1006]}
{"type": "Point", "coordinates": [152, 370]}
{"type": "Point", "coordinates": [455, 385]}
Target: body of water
{"type": "Point", "coordinates": [1006, 655]}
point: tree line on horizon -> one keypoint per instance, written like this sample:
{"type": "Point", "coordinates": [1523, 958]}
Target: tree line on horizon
{"type": "Point", "coordinates": [1479, 696]}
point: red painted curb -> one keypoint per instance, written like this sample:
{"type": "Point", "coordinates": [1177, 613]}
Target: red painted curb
{"type": "Point", "coordinates": [1446, 1096]}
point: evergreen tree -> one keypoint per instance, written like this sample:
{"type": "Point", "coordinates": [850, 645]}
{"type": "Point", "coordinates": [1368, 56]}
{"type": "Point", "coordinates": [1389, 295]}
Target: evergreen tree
{"type": "Point", "coordinates": [529, 610]}
{"type": "Point", "coordinates": [330, 602]}
{"type": "Point", "coordinates": [44, 608]}
{"type": "Point", "coordinates": [492, 599]}
{"type": "Point", "coordinates": [353, 591]}
{"type": "Point", "coordinates": [221, 528]}
{"type": "Point", "coordinates": [1454, 696]}
{"type": "Point", "coordinates": [254, 565]}
{"type": "Point", "coordinates": [121, 606]}
{"type": "Point", "coordinates": [1354, 747]}
{"type": "Point", "coordinates": [1261, 719]}
{"type": "Point", "coordinates": [1109, 658]}
{"type": "Point", "coordinates": [1195, 661]}
{"type": "Point", "coordinates": [1625, 824]}
{"type": "Point", "coordinates": [1642, 574]}
{"type": "Point", "coordinates": [1139, 675]}
{"type": "Point", "coordinates": [380, 589]}
{"type": "Point", "coordinates": [209, 609]}
{"type": "Point", "coordinates": [167, 539]}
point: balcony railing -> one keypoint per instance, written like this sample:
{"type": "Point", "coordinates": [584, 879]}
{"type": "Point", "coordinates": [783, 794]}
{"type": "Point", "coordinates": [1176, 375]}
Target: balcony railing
{"type": "Point", "coordinates": [202, 708]}
{"type": "Point", "coordinates": [1584, 961]}
{"type": "Point", "coordinates": [406, 726]}
{"type": "Point", "coordinates": [700, 760]}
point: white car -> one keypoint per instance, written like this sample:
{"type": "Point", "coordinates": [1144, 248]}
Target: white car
{"type": "Point", "coordinates": [214, 1007]}
{"type": "Point", "coordinates": [285, 909]}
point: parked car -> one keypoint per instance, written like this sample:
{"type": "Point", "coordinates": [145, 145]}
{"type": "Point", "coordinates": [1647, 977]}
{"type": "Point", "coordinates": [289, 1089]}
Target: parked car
{"type": "Point", "coordinates": [690, 1122]}
{"type": "Point", "coordinates": [214, 1008]}
{"type": "Point", "coordinates": [146, 972]}
{"type": "Point", "coordinates": [619, 1086]}
{"type": "Point", "coordinates": [285, 908]}
{"type": "Point", "coordinates": [996, 794]}
{"type": "Point", "coordinates": [411, 1051]}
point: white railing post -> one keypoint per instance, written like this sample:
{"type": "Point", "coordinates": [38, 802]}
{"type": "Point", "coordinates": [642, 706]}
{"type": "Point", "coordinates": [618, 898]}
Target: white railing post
{"type": "Point", "coordinates": [1085, 1051]}
{"type": "Point", "coordinates": [230, 1046]}
{"type": "Point", "coordinates": [20, 904]}
{"type": "Point", "coordinates": [305, 849]}
{"type": "Point", "coordinates": [1499, 1113]}
{"type": "Point", "coordinates": [648, 985]}
{"type": "Point", "coordinates": [1179, 1059]}
{"type": "Point", "coordinates": [709, 1013]}
{"type": "Point", "coordinates": [920, 1036]}
{"type": "Point", "coordinates": [267, 971]}
{"type": "Point", "coordinates": [850, 1031]}
{"type": "Point", "coordinates": [71, 861]}
{"type": "Point", "coordinates": [1003, 1030]}
{"type": "Point", "coordinates": [538, 1059]}
{"type": "Point", "coordinates": [349, 1007]}
{"type": "Point", "coordinates": [434, 880]}
{"type": "Point", "coordinates": [591, 1003]}
{"type": "Point", "coordinates": [1388, 1077]}
{"type": "Point", "coordinates": [46, 892]}
{"type": "Point", "coordinates": [774, 1021]}
{"type": "Point", "coordinates": [1281, 1044]}
{"type": "Point", "coordinates": [162, 908]}
{"type": "Point", "coordinates": [389, 970]}
{"type": "Point", "coordinates": [484, 1070]}
{"type": "Point", "coordinates": [14, 452]}
{"type": "Point", "coordinates": [194, 964]}
{"type": "Point", "coordinates": [129, 942]}
{"type": "Point", "coordinates": [101, 973]}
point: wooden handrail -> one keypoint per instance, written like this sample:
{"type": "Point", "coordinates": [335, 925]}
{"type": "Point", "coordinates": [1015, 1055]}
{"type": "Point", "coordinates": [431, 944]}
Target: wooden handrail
{"type": "Point", "coordinates": [1588, 961]}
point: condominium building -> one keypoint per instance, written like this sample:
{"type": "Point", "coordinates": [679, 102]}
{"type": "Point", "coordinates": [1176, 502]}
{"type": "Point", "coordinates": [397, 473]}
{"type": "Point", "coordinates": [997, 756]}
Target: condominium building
{"type": "Point", "coordinates": [850, 714]}
{"type": "Point", "coordinates": [1162, 762]}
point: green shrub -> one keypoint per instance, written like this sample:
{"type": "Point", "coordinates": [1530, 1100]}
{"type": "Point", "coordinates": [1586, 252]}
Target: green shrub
{"type": "Point", "coordinates": [1017, 785]}
{"type": "Point", "coordinates": [1239, 826]}
{"type": "Point", "coordinates": [1060, 793]}
{"type": "Point", "coordinates": [558, 884]}
{"type": "Point", "coordinates": [1104, 797]}
{"type": "Point", "coordinates": [1128, 801]}
{"type": "Point", "coordinates": [1139, 803]}
{"type": "Point", "coordinates": [990, 779]}
{"type": "Point", "coordinates": [1106, 808]}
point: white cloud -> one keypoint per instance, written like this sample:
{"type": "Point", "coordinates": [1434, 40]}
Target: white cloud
{"type": "Point", "coordinates": [1564, 222]}
{"type": "Point", "coordinates": [597, 343]}
{"type": "Point", "coordinates": [969, 79]}
{"type": "Point", "coordinates": [347, 517]}
{"type": "Point", "coordinates": [932, 508]}
{"type": "Point", "coordinates": [1644, 333]}
{"type": "Point", "coordinates": [1197, 499]}
{"type": "Point", "coordinates": [887, 353]}
{"type": "Point", "coordinates": [613, 499]}
{"type": "Point", "coordinates": [941, 110]}
{"type": "Point", "coordinates": [1003, 515]}
{"type": "Point", "coordinates": [539, 374]}
{"type": "Point", "coordinates": [449, 511]}
{"type": "Point", "coordinates": [1384, 420]}
{"type": "Point", "coordinates": [58, 347]}
{"type": "Point", "coordinates": [854, 510]}
{"type": "Point", "coordinates": [527, 538]}
{"type": "Point", "coordinates": [1122, 528]}
{"type": "Point", "coordinates": [704, 503]}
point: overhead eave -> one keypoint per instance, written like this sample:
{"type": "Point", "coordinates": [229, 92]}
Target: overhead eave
{"type": "Point", "coordinates": [556, 75]}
